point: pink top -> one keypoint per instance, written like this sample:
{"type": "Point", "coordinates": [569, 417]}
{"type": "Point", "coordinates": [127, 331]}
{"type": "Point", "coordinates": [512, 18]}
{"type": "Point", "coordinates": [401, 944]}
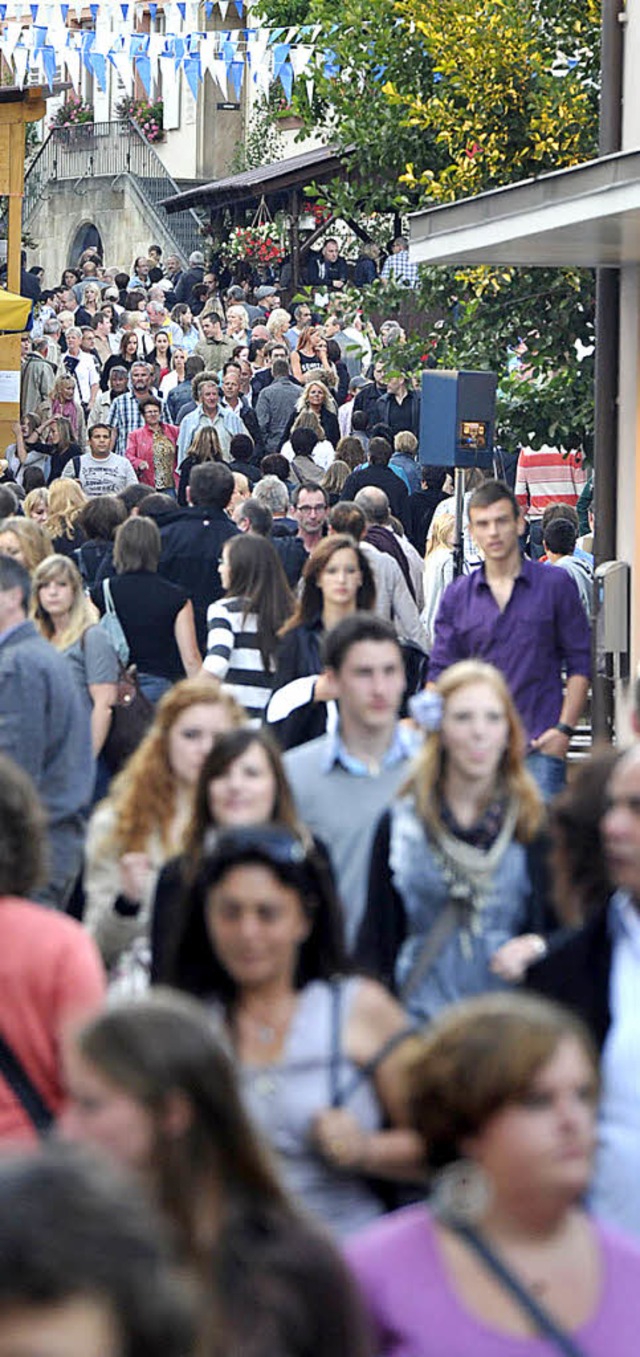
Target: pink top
{"type": "Point", "coordinates": [416, 1312]}
{"type": "Point", "coordinates": [50, 972]}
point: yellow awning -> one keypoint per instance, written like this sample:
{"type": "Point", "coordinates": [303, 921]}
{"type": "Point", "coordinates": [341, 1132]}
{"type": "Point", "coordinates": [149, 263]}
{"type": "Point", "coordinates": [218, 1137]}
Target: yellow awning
{"type": "Point", "coordinates": [14, 310]}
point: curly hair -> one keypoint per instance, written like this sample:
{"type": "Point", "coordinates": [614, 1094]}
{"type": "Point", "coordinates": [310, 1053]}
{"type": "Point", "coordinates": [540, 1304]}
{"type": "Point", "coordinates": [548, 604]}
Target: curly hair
{"type": "Point", "coordinates": [66, 501]}
{"type": "Point", "coordinates": [144, 792]}
{"type": "Point", "coordinates": [426, 777]}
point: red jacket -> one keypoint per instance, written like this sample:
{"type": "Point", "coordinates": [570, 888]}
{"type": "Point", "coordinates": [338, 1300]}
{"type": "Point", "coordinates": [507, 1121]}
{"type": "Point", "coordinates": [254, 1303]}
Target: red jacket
{"type": "Point", "coordinates": [140, 449]}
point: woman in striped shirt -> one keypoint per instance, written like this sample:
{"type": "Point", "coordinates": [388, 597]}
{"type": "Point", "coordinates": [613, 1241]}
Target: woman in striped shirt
{"type": "Point", "coordinates": [242, 627]}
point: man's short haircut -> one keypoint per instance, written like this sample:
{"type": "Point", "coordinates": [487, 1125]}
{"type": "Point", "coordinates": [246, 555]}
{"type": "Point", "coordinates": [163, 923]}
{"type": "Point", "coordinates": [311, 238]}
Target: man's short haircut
{"type": "Point", "coordinates": [303, 441]}
{"type": "Point", "coordinates": [560, 537]}
{"type": "Point", "coordinates": [379, 451]}
{"type": "Point", "coordinates": [106, 428]}
{"type": "Point", "coordinates": [313, 489]}
{"type": "Point", "coordinates": [138, 545]}
{"type": "Point", "coordinates": [280, 368]}
{"type": "Point", "coordinates": [271, 492]}
{"type": "Point", "coordinates": [211, 483]}
{"type": "Point", "coordinates": [241, 447]}
{"type": "Point", "coordinates": [257, 514]}
{"type": "Point", "coordinates": [434, 476]}
{"type": "Point", "coordinates": [98, 318]}
{"type": "Point", "coordinates": [200, 380]}
{"type": "Point", "coordinates": [359, 421]}
{"type": "Point", "coordinates": [74, 330]}
{"type": "Point", "coordinates": [14, 576]}
{"type": "Point", "coordinates": [74, 1228]}
{"type": "Point", "coordinates": [118, 372]}
{"type": "Point", "coordinates": [193, 366]}
{"type": "Point", "coordinates": [133, 495]}
{"type": "Point", "coordinates": [23, 832]}
{"type": "Point", "coordinates": [276, 464]}
{"type": "Point", "coordinates": [492, 492]}
{"type": "Point", "coordinates": [374, 503]}
{"type": "Point", "coordinates": [381, 430]}
{"type": "Point", "coordinates": [350, 632]}
{"type": "Point", "coordinates": [348, 517]}
{"type": "Point", "coordinates": [560, 510]}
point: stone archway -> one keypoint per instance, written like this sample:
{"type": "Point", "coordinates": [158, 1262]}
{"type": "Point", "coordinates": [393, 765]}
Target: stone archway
{"type": "Point", "coordinates": [87, 237]}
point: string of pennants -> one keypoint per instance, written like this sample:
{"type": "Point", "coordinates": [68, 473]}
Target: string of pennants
{"type": "Point", "coordinates": [39, 49]}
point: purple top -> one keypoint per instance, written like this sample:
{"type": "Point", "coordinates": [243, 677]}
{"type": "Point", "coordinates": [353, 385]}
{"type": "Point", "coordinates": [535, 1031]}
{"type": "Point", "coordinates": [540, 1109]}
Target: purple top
{"type": "Point", "coordinates": [542, 627]}
{"type": "Point", "coordinates": [411, 1299]}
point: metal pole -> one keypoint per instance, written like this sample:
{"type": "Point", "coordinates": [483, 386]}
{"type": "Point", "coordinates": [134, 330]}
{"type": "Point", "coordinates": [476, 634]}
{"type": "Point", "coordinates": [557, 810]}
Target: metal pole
{"type": "Point", "coordinates": [458, 541]}
{"type": "Point", "coordinates": [605, 442]}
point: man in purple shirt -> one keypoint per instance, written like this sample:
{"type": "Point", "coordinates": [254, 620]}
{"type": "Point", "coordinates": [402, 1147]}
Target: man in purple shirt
{"type": "Point", "coordinates": [527, 620]}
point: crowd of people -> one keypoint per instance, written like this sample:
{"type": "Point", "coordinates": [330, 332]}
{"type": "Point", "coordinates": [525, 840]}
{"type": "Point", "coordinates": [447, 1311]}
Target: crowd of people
{"type": "Point", "coordinates": [287, 782]}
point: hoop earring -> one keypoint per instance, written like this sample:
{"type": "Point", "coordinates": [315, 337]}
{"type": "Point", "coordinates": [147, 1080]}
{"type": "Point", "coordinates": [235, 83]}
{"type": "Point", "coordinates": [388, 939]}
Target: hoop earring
{"type": "Point", "coordinates": [460, 1193]}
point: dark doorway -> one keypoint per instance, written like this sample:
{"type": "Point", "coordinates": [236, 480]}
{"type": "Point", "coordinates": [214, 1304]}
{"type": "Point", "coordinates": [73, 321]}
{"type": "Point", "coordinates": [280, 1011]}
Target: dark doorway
{"type": "Point", "coordinates": [87, 237]}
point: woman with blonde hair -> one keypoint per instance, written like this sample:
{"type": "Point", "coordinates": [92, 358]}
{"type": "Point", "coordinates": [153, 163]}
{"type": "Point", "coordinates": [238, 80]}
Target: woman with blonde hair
{"type": "Point", "coordinates": [238, 328]}
{"type": "Point", "coordinates": [204, 447]}
{"type": "Point", "coordinates": [64, 400]}
{"type": "Point", "coordinates": [65, 616]}
{"type": "Point", "coordinates": [145, 817]}
{"type": "Point", "coordinates": [278, 323]}
{"type": "Point", "coordinates": [310, 353]}
{"type": "Point", "coordinates": [316, 397]}
{"type": "Point", "coordinates": [438, 569]}
{"type": "Point", "coordinates": [334, 479]}
{"type": "Point", "coordinates": [457, 890]}
{"type": "Point", "coordinates": [25, 541]}
{"type": "Point", "coordinates": [36, 505]}
{"type": "Point", "coordinates": [66, 502]}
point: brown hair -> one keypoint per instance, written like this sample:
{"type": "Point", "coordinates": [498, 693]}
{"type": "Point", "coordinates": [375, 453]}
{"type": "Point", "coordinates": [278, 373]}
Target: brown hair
{"type": "Point", "coordinates": [477, 1058]}
{"type": "Point", "coordinates": [143, 794]}
{"type": "Point", "coordinates": [309, 606]}
{"type": "Point", "coordinates": [226, 750]}
{"type": "Point", "coordinates": [425, 780]}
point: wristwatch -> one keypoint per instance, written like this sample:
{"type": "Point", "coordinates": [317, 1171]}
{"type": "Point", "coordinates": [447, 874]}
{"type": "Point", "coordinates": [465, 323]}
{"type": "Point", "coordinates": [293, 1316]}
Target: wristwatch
{"type": "Point", "coordinates": [564, 729]}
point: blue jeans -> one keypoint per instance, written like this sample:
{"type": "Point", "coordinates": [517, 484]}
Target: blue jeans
{"type": "Point", "coordinates": [153, 686]}
{"type": "Point", "coordinates": [549, 772]}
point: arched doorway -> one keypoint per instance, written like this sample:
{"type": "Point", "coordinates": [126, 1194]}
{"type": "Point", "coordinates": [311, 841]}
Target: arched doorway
{"type": "Point", "coordinates": [87, 237]}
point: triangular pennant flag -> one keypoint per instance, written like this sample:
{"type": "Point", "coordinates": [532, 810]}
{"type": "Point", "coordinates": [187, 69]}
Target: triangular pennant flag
{"type": "Point", "coordinates": [34, 12]}
{"type": "Point", "coordinates": [285, 76]}
{"type": "Point", "coordinates": [143, 68]}
{"type": "Point", "coordinates": [182, 9]}
{"type": "Point", "coordinates": [99, 68]}
{"type": "Point", "coordinates": [300, 57]}
{"type": "Point", "coordinates": [310, 86]}
{"type": "Point", "coordinates": [49, 64]}
{"type": "Point", "coordinates": [3, 10]}
{"type": "Point", "coordinates": [208, 8]}
{"type": "Point", "coordinates": [20, 64]}
{"type": "Point", "coordinates": [72, 63]}
{"type": "Point", "coordinates": [193, 74]}
{"type": "Point", "coordinates": [219, 73]}
{"type": "Point", "coordinates": [237, 72]}
{"type": "Point", "coordinates": [64, 10]}
{"type": "Point", "coordinates": [223, 6]}
{"type": "Point", "coordinates": [238, 5]}
{"type": "Point", "coordinates": [39, 35]}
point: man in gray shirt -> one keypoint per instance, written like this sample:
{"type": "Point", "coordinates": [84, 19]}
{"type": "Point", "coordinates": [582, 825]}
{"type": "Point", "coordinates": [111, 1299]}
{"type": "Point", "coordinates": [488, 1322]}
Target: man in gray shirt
{"type": "Point", "coordinates": [344, 781]}
{"type": "Point", "coordinates": [101, 471]}
{"type": "Point", "coordinates": [44, 729]}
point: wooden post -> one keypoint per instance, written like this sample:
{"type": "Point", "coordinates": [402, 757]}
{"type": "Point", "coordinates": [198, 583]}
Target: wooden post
{"type": "Point", "coordinates": [17, 107]}
{"type": "Point", "coordinates": [294, 237]}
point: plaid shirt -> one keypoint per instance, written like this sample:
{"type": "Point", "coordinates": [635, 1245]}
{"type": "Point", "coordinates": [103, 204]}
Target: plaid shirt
{"type": "Point", "coordinates": [124, 416]}
{"type": "Point", "coordinates": [399, 267]}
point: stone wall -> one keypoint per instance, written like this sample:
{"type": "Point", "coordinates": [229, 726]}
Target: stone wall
{"type": "Point", "coordinates": [126, 226]}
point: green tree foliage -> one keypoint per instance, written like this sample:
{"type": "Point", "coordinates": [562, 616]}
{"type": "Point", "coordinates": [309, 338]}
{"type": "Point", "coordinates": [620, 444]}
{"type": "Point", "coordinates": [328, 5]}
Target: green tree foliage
{"type": "Point", "coordinates": [446, 98]}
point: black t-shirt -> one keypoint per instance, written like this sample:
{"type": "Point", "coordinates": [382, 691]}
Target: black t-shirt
{"type": "Point", "coordinates": [147, 606]}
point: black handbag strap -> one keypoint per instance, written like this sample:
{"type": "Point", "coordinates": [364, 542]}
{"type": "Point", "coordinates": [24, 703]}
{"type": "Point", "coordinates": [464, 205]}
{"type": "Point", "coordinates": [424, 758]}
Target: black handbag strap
{"type": "Point", "coordinates": [25, 1090]}
{"type": "Point", "coordinates": [340, 1094]}
{"type": "Point", "coordinates": [541, 1318]}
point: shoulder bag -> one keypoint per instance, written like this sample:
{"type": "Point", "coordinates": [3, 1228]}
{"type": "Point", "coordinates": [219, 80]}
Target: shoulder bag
{"type": "Point", "coordinates": [132, 712]}
{"type": "Point", "coordinates": [543, 1321]}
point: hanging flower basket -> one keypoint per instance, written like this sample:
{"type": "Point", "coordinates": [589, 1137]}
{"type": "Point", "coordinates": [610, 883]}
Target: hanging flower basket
{"type": "Point", "coordinates": [259, 243]}
{"type": "Point", "coordinates": [147, 117]}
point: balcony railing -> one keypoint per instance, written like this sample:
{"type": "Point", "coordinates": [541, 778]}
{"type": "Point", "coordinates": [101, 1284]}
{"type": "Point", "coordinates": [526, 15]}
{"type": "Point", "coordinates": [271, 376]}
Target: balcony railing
{"type": "Point", "coordinates": [108, 150]}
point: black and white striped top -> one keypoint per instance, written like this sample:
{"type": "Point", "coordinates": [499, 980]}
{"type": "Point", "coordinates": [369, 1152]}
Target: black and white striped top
{"type": "Point", "coordinates": [233, 655]}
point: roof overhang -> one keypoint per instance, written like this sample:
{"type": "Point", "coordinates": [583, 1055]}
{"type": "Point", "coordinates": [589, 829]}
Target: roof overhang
{"type": "Point", "coordinates": [268, 181]}
{"type": "Point", "coordinates": [584, 217]}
